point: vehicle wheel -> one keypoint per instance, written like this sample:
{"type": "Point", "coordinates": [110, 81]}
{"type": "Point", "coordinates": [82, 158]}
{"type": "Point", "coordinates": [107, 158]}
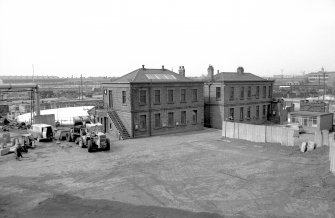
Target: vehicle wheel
{"type": "Point", "coordinates": [108, 145]}
{"type": "Point", "coordinates": [68, 137]}
{"type": "Point", "coordinates": [80, 143]}
{"type": "Point", "coordinates": [89, 146]}
{"type": "Point", "coordinates": [38, 139]}
{"type": "Point", "coordinates": [76, 140]}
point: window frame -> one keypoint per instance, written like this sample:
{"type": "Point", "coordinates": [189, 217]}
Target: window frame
{"type": "Point", "coordinates": [159, 123]}
{"type": "Point", "coordinates": [194, 95]}
{"type": "Point", "coordinates": [141, 96]}
{"type": "Point", "coordinates": [170, 122]}
{"type": "Point", "coordinates": [124, 97]}
{"type": "Point", "coordinates": [182, 116]}
{"type": "Point", "coordinates": [145, 122]}
{"type": "Point", "coordinates": [155, 96]}
{"type": "Point", "coordinates": [194, 116]}
{"type": "Point", "coordinates": [182, 95]}
{"type": "Point", "coordinates": [218, 93]}
{"type": "Point", "coordinates": [168, 96]}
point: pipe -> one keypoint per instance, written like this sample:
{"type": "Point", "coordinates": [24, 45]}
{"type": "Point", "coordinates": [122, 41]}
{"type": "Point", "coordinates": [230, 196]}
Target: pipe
{"type": "Point", "coordinates": [18, 86]}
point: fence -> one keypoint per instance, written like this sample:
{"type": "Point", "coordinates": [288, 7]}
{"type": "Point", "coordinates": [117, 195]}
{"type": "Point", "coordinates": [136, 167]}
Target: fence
{"type": "Point", "coordinates": [332, 152]}
{"type": "Point", "coordinates": [258, 133]}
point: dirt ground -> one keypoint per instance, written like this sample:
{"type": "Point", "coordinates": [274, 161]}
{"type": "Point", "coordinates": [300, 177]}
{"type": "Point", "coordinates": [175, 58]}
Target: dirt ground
{"type": "Point", "coordinates": [197, 174]}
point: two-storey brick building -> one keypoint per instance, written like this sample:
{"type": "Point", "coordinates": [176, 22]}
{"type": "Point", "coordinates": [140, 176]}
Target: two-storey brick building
{"type": "Point", "coordinates": [150, 102]}
{"type": "Point", "coordinates": [236, 96]}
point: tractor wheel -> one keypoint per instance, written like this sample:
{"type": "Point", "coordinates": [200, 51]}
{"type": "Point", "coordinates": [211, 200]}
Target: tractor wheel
{"type": "Point", "coordinates": [76, 140]}
{"type": "Point", "coordinates": [89, 146]}
{"type": "Point", "coordinates": [68, 137]}
{"type": "Point", "coordinates": [81, 143]}
{"type": "Point", "coordinates": [108, 145]}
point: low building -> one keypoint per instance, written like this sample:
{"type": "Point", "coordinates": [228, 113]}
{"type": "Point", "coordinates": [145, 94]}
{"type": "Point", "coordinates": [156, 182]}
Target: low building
{"type": "Point", "coordinates": [238, 97]}
{"type": "Point", "coordinates": [312, 120]}
{"type": "Point", "coordinates": [149, 102]}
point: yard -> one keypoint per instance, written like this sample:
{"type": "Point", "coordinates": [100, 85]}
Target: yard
{"type": "Point", "coordinates": [197, 174]}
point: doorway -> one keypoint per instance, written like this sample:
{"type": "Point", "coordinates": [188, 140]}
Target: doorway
{"type": "Point", "coordinates": [110, 99]}
{"type": "Point", "coordinates": [105, 124]}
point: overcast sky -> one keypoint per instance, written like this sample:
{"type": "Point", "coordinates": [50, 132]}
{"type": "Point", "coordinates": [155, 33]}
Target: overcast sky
{"type": "Point", "coordinates": [113, 37]}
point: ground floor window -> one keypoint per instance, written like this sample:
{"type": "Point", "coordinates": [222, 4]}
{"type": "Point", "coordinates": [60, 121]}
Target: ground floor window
{"type": "Point", "coordinates": [241, 113]}
{"type": "Point", "coordinates": [195, 116]}
{"type": "Point", "coordinates": [143, 121]}
{"type": "Point", "coordinates": [264, 110]}
{"type": "Point", "coordinates": [231, 113]}
{"type": "Point", "coordinates": [249, 113]}
{"type": "Point", "coordinates": [183, 117]}
{"type": "Point", "coordinates": [157, 120]}
{"type": "Point", "coordinates": [170, 119]}
{"type": "Point", "coordinates": [257, 111]}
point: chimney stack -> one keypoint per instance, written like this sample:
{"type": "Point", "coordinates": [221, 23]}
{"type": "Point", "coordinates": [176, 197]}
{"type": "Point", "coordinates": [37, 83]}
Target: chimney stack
{"type": "Point", "coordinates": [143, 67]}
{"type": "Point", "coordinates": [240, 70]}
{"type": "Point", "coordinates": [181, 71]}
{"type": "Point", "coordinates": [210, 71]}
{"type": "Point", "coordinates": [163, 67]}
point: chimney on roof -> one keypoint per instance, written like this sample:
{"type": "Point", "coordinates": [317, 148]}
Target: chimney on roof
{"type": "Point", "coordinates": [210, 71]}
{"type": "Point", "coordinates": [181, 71]}
{"type": "Point", "coordinates": [218, 71]}
{"type": "Point", "coordinates": [240, 70]}
{"type": "Point", "coordinates": [143, 67]}
{"type": "Point", "coordinates": [163, 67]}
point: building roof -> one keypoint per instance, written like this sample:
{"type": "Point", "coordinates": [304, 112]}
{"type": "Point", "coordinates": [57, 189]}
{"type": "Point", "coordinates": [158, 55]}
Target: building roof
{"type": "Point", "coordinates": [309, 113]}
{"type": "Point", "coordinates": [145, 75]}
{"type": "Point", "coordinates": [233, 76]}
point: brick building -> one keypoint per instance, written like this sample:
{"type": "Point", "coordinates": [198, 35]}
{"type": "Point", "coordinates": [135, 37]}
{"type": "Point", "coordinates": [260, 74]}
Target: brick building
{"type": "Point", "coordinates": [150, 102]}
{"type": "Point", "coordinates": [236, 96]}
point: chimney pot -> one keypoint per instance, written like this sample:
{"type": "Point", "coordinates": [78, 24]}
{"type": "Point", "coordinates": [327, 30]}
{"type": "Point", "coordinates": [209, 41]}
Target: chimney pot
{"type": "Point", "coordinates": [163, 67]}
{"type": "Point", "coordinates": [182, 71]}
{"type": "Point", "coordinates": [210, 71]}
{"type": "Point", "coordinates": [143, 66]}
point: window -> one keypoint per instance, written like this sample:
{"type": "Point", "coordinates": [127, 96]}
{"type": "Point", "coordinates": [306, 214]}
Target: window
{"type": "Point", "coordinates": [264, 91]}
{"type": "Point", "coordinates": [157, 120]}
{"type": "Point", "coordinates": [231, 113]}
{"type": "Point", "coordinates": [270, 91]}
{"type": "Point", "coordinates": [248, 113]}
{"type": "Point", "coordinates": [195, 116]}
{"type": "Point", "coordinates": [195, 95]}
{"type": "Point", "coordinates": [242, 93]}
{"type": "Point", "coordinates": [257, 92]}
{"type": "Point", "coordinates": [183, 95]}
{"type": "Point", "coordinates": [257, 111]}
{"type": "Point", "coordinates": [170, 95]}
{"type": "Point", "coordinates": [183, 117]}
{"type": "Point", "coordinates": [241, 113]}
{"type": "Point", "coordinates": [143, 121]}
{"type": "Point", "coordinates": [218, 93]}
{"type": "Point", "coordinates": [231, 93]}
{"type": "Point", "coordinates": [249, 91]}
{"type": "Point", "coordinates": [143, 96]}
{"type": "Point", "coordinates": [264, 110]}
{"type": "Point", "coordinates": [170, 119]}
{"type": "Point", "coordinates": [157, 96]}
{"type": "Point", "coordinates": [124, 98]}
{"type": "Point", "coordinates": [314, 121]}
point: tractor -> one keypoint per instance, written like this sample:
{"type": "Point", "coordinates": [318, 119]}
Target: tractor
{"type": "Point", "coordinates": [93, 138]}
{"type": "Point", "coordinates": [79, 123]}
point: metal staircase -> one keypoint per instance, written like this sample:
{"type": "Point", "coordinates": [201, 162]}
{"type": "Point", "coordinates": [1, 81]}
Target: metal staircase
{"type": "Point", "coordinates": [118, 124]}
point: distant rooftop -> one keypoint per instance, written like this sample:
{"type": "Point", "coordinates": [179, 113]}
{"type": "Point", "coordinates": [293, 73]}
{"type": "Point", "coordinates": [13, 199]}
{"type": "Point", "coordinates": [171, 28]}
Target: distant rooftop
{"type": "Point", "coordinates": [147, 75]}
{"type": "Point", "coordinates": [234, 76]}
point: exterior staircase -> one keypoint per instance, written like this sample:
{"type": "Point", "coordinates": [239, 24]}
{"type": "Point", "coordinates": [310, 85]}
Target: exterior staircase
{"type": "Point", "coordinates": [118, 124]}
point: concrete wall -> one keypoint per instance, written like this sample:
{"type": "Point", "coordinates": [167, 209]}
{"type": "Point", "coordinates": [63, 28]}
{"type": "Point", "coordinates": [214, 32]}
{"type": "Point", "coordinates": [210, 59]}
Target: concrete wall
{"type": "Point", "coordinates": [258, 133]}
{"type": "Point", "coordinates": [332, 152]}
{"type": "Point", "coordinates": [326, 122]}
{"type": "Point", "coordinates": [45, 119]}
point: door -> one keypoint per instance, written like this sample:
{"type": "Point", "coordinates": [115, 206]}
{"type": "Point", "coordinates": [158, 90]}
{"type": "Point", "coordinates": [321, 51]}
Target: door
{"type": "Point", "coordinates": [110, 99]}
{"type": "Point", "coordinates": [105, 124]}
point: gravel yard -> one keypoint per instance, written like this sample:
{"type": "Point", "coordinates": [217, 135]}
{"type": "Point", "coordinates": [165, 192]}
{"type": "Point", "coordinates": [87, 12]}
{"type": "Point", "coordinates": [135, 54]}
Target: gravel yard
{"type": "Point", "coordinates": [197, 174]}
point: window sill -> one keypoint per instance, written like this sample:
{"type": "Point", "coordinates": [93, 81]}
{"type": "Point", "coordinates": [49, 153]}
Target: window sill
{"type": "Point", "coordinates": [141, 130]}
{"type": "Point", "coordinates": [142, 104]}
{"type": "Point", "coordinates": [195, 101]}
{"type": "Point", "coordinates": [183, 102]}
{"type": "Point", "coordinates": [170, 102]}
{"type": "Point", "coordinates": [156, 103]}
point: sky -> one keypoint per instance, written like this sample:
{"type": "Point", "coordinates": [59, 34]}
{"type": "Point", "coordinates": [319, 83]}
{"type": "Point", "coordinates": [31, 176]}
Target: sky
{"type": "Point", "coordinates": [113, 37]}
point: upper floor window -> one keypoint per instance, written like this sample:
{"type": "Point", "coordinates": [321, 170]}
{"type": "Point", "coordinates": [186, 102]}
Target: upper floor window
{"type": "Point", "coordinates": [170, 95]}
{"type": "Point", "coordinates": [218, 93]}
{"type": "Point", "coordinates": [257, 91]}
{"type": "Point", "coordinates": [249, 91]}
{"type": "Point", "coordinates": [231, 93]}
{"type": "Point", "coordinates": [195, 95]}
{"type": "Point", "coordinates": [183, 95]}
{"type": "Point", "coordinates": [264, 91]}
{"type": "Point", "coordinates": [157, 96]}
{"type": "Point", "coordinates": [124, 97]}
{"type": "Point", "coordinates": [242, 93]}
{"type": "Point", "coordinates": [143, 96]}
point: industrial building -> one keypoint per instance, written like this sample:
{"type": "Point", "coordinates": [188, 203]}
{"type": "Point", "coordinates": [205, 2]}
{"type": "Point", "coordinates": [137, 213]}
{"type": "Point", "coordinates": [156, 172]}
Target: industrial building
{"type": "Point", "coordinates": [147, 102]}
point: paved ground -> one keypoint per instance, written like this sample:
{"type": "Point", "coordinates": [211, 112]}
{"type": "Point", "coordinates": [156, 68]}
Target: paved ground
{"type": "Point", "coordinates": [199, 174]}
